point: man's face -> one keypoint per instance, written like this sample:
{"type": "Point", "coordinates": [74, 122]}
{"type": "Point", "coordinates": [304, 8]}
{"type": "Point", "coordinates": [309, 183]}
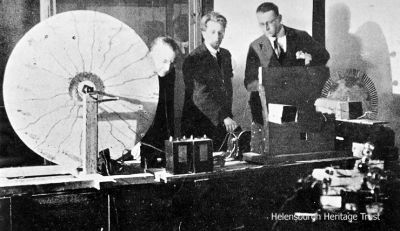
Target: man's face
{"type": "Point", "coordinates": [269, 22]}
{"type": "Point", "coordinates": [213, 34]}
{"type": "Point", "coordinates": [163, 57]}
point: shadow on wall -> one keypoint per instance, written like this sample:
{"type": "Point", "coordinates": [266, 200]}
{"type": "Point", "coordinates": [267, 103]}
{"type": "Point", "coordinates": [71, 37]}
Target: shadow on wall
{"type": "Point", "coordinates": [376, 52]}
{"type": "Point", "coordinates": [344, 48]}
{"type": "Point", "coordinates": [365, 50]}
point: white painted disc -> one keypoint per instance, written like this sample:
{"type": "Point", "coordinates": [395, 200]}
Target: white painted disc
{"type": "Point", "coordinates": [52, 63]}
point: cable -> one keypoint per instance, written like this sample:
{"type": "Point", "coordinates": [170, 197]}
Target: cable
{"type": "Point", "coordinates": [365, 115]}
{"type": "Point", "coordinates": [231, 151]}
{"type": "Point", "coordinates": [245, 110]}
{"type": "Point", "coordinates": [151, 146]}
{"type": "Point", "coordinates": [105, 163]}
{"type": "Point", "coordinates": [223, 142]}
{"type": "Point", "coordinates": [116, 213]}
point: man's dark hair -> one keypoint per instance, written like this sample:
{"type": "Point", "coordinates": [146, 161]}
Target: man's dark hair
{"type": "Point", "coordinates": [268, 6]}
{"type": "Point", "coordinates": [167, 41]}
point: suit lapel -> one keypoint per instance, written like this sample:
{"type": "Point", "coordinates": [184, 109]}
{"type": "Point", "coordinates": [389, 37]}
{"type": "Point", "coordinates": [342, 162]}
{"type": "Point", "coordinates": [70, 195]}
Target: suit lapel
{"type": "Point", "coordinates": [213, 61]}
{"type": "Point", "coordinates": [266, 51]}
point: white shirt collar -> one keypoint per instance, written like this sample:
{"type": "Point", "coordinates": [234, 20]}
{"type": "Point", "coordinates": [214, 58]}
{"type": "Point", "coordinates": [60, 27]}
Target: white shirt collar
{"type": "Point", "coordinates": [212, 50]}
{"type": "Point", "coordinates": [281, 39]}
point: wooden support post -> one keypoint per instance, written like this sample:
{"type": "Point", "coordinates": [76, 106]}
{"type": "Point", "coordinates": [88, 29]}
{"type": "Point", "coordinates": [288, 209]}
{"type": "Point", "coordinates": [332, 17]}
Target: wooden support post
{"type": "Point", "coordinates": [207, 6]}
{"type": "Point", "coordinates": [89, 163]}
{"type": "Point", "coordinates": [262, 157]}
{"type": "Point", "coordinates": [169, 17]}
{"type": "Point", "coordinates": [194, 24]}
{"type": "Point", "coordinates": [318, 21]}
{"type": "Point", "coordinates": [261, 92]}
{"type": "Point", "coordinates": [47, 9]}
{"type": "Point", "coordinates": [6, 213]}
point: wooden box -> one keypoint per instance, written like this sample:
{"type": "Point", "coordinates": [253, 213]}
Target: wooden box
{"type": "Point", "coordinates": [189, 155]}
{"type": "Point", "coordinates": [179, 156]}
{"type": "Point", "coordinates": [312, 135]}
{"type": "Point", "coordinates": [341, 109]}
{"type": "Point", "coordinates": [202, 155]}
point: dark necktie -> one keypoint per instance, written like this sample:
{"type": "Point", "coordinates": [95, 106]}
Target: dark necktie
{"type": "Point", "coordinates": [219, 59]}
{"type": "Point", "coordinates": [277, 48]}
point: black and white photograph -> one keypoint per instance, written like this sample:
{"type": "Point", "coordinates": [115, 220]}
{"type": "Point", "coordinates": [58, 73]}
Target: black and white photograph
{"type": "Point", "coordinates": [119, 115]}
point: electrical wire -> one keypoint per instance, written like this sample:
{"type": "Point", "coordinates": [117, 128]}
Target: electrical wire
{"type": "Point", "coordinates": [365, 115]}
{"type": "Point", "coordinates": [153, 147]}
{"type": "Point", "coordinates": [223, 142]}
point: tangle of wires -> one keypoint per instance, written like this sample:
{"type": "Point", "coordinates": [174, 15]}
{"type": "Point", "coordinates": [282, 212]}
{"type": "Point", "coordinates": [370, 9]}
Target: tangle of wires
{"type": "Point", "coordinates": [238, 143]}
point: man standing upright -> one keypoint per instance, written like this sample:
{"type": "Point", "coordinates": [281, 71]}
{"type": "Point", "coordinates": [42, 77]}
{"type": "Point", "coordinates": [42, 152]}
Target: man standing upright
{"type": "Point", "coordinates": [207, 74]}
{"type": "Point", "coordinates": [278, 46]}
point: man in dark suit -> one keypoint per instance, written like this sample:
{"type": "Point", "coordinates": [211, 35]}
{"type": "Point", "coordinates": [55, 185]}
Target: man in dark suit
{"type": "Point", "coordinates": [163, 52]}
{"type": "Point", "coordinates": [207, 74]}
{"type": "Point", "coordinates": [278, 46]}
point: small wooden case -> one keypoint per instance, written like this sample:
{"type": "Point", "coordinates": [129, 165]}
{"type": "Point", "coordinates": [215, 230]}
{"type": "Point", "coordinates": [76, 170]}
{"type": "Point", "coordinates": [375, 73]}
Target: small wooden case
{"type": "Point", "coordinates": [179, 156]}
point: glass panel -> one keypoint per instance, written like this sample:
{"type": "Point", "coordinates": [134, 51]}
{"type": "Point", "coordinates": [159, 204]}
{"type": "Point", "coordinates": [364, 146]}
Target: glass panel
{"type": "Point", "coordinates": [149, 19]}
{"type": "Point", "coordinates": [182, 153]}
{"type": "Point", "coordinates": [203, 150]}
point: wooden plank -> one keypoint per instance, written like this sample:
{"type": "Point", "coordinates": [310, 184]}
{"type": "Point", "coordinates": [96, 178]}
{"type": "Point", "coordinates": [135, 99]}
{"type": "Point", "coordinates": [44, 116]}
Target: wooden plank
{"type": "Point", "coordinates": [241, 167]}
{"type": "Point", "coordinates": [12, 189]}
{"type": "Point", "coordinates": [53, 179]}
{"type": "Point", "coordinates": [298, 157]}
{"type": "Point", "coordinates": [91, 135]}
{"type": "Point", "coordinates": [61, 183]}
{"type": "Point", "coordinates": [363, 121]}
{"type": "Point", "coordinates": [5, 214]}
{"type": "Point", "coordinates": [169, 16]}
{"type": "Point", "coordinates": [261, 92]}
{"type": "Point", "coordinates": [194, 24]}
{"type": "Point", "coordinates": [123, 180]}
{"type": "Point", "coordinates": [47, 170]}
{"type": "Point", "coordinates": [44, 9]}
{"type": "Point", "coordinates": [253, 157]}
{"type": "Point", "coordinates": [318, 21]}
{"type": "Point", "coordinates": [207, 6]}
{"type": "Point", "coordinates": [47, 9]}
{"type": "Point", "coordinates": [308, 156]}
{"type": "Point", "coordinates": [48, 184]}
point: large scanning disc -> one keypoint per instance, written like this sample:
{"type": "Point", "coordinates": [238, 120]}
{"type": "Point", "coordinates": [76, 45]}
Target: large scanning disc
{"type": "Point", "coordinates": [51, 66]}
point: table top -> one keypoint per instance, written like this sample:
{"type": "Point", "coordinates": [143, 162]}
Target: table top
{"type": "Point", "coordinates": [50, 179]}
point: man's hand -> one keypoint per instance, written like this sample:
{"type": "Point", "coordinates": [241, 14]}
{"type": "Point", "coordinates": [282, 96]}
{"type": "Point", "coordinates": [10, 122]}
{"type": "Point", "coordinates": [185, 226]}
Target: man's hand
{"type": "Point", "coordinates": [304, 55]}
{"type": "Point", "coordinates": [253, 86]}
{"type": "Point", "coordinates": [230, 124]}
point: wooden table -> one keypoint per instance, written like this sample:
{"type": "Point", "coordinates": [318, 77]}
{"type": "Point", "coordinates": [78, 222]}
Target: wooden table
{"type": "Point", "coordinates": [234, 196]}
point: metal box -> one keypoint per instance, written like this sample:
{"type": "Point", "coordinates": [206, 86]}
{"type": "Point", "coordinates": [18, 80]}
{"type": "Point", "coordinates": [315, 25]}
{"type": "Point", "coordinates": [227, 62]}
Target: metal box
{"type": "Point", "coordinates": [189, 155]}
{"type": "Point", "coordinates": [202, 155]}
{"type": "Point", "coordinates": [178, 156]}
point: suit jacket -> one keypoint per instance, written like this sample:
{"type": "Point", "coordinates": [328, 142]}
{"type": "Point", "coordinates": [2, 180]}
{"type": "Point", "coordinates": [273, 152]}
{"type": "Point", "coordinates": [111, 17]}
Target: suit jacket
{"type": "Point", "coordinates": [261, 53]}
{"type": "Point", "coordinates": [208, 89]}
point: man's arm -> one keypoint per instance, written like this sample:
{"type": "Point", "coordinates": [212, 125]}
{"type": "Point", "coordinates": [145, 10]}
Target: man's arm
{"type": "Point", "coordinates": [170, 95]}
{"type": "Point", "coordinates": [251, 71]}
{"type": "Point", "coordinates": [319, 54]}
